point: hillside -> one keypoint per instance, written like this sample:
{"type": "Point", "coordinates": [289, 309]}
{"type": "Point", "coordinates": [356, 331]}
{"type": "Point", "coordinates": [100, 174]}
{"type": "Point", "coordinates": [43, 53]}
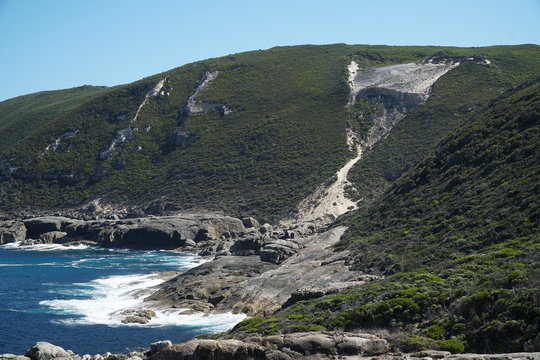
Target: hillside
{"type": "Point", "coordinates": [457, 239]}
{"type": "Point", "coordinates": [250, 133]}
{"type": "Point", "coordinates": [22, 115]}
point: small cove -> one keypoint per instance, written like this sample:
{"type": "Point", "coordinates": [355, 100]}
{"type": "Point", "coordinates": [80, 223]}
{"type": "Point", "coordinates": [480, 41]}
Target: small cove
{"type": "Point", "coordinates": [71, 297]}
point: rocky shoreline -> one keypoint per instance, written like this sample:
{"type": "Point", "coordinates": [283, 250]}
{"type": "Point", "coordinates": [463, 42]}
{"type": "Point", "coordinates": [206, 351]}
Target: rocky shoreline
{"type": "Point", "coordinates": [304, 346]}
{"type": "Point", "coordinates": [255, 270]}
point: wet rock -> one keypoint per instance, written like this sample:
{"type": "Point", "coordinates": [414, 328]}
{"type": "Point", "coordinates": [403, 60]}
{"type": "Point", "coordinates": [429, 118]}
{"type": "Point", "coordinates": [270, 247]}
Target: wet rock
{"type": "Point", "coordinates": [29, 242]}
{"type": "Point", "coordinates": [137, 316]}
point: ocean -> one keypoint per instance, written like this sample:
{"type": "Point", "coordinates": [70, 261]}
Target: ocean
{"type": "Point", "coordinates": [71, 297]}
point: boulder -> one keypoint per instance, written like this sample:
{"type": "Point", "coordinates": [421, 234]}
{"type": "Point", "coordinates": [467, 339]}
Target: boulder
{"type": "Point", "coordinates": [12, 231]}
{"type": "Point", "coordinates": [47, 351]}
{"type": "Point", "coordinates": [315, 343]}
{"type": "Point", "coordinates": [250, 245]}
{"type": "Point", "coordinates": [223, 224]}
{"type": "Point", "coordinates": [176, 352]}
{"type": "Point", "coordinates": [434, 354]}
{"type": "Point", "coordinates": [361, 345]}
{"type": "Point", "coordinates": [212, 349]}
{"type": "Point", "coordinates": [277, 355]}
{"type": "Point", "coordinates": [45, 224]}
{"type": "Point", "coordinates": [250, 222]}
{"type": "Point", "coordinates": [279, 250]}
{"type": "Point", "coordinates": [137, 316]}
{"type": "Point", "coordinates": [159, 345]}
{"type": "Point", "coordinates": [289, 234]}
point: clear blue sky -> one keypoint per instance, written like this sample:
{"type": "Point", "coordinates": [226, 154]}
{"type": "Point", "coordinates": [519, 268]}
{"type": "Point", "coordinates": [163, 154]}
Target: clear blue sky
{"type": "Point", "coordinates": [54, 44]}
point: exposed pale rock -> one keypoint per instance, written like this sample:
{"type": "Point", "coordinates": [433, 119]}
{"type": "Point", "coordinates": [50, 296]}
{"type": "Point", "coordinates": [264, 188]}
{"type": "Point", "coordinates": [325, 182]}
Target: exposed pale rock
{"type": "Point", "coordinates": [47, 351]}
{"type": "Point", "coordinates": [159, 345]}
{"type": "Point", "coordinates": [207, 285]}
{"type": "Point", "coordinates": [13, 357]}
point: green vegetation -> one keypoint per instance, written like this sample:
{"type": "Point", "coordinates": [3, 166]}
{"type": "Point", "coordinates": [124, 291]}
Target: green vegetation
{"type": "Point", "coordinates": [22, 115]}
{"type": "Point", "coordinates": [455, 97]}
{"type": "Point", "coordinates": [455, 230]}
{"type": "Point", "coordinates": [284, 137]}
{"type": "Point", "coordinates": [458, 239]}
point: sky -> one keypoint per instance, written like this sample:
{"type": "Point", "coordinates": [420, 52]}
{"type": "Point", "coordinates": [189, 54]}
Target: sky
{"type": "Point", "coordinates": [56, 44]}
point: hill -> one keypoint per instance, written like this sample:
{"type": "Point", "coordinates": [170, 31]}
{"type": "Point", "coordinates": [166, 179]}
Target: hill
{"type": "Point", "coordinates": [250, 133]}
{"type": "Point", "coordinates": [457, 239]}
{"type": "Point", "coordinates": [22, 115]}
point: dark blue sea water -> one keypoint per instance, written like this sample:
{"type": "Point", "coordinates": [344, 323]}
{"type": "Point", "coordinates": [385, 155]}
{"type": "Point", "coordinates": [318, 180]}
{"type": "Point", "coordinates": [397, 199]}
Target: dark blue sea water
{"type": "Point", "coordinates": [71, 297]}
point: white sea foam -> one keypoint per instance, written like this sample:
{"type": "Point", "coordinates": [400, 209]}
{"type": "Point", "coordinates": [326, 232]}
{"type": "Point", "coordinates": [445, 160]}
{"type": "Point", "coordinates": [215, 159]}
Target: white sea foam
{"type": "Point", "coordinates": [112, 295]}
{"type": "Point", "coordinates": [102, 301]}
{"type": "Point", "coordinates": [38, 264]}
{"type": "Point", "coordinates": [44, 247]}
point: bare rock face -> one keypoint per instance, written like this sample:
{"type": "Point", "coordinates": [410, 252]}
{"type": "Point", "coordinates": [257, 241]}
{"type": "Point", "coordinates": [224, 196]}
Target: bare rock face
{"type": "Point", "coordinates": [205, 286]}
{"type": "Point", "coordinates": [163, 232]}
{"type": "Point", "coordinates": [313, 266]}
{"type": "Point", "coordinates": [41, 225]}
{"type": "Point", "coordinates": [12, 231]}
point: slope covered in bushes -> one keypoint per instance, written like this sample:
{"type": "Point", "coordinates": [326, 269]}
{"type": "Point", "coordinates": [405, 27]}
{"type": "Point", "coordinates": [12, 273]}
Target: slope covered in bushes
{"type": "Point", "coordinates": [458, 240]}
{"type": "Point", "coordinates": [249, 133]}
{"type": "Point", "coordinates": [22, 115]}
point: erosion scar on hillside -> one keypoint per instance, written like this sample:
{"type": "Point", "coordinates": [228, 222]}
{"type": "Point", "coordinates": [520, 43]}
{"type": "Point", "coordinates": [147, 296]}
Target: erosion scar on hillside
{"type": "Point", "coordinates": [395, 89]}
